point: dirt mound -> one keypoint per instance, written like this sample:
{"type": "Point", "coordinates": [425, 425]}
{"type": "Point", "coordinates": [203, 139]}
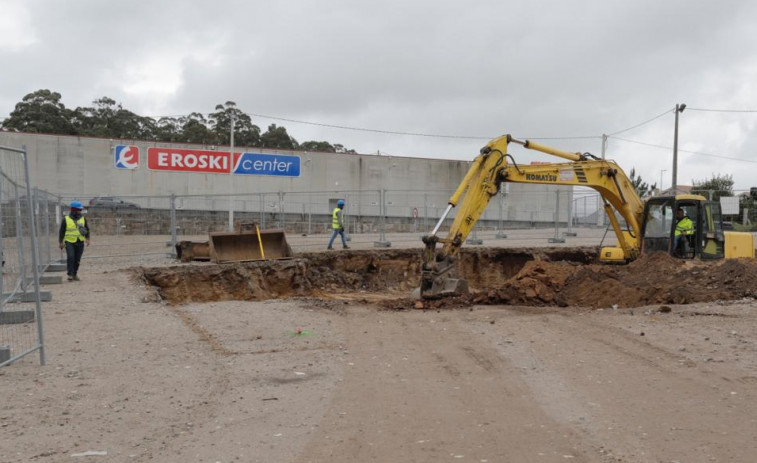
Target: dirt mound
{"type": "Point", "coordinates": [502, 276]}
{"type": "Point", "coordinates": [660, 278]}
{"type": "Point", "coordinates": [656, 278]}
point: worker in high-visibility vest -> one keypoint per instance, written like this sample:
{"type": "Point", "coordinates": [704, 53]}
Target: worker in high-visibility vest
{"type": "Point", "coordinates": [73, 235]}
{"type": "Point", "coordinates": [337, 224]}
{"type": "Point", "coordinates": [684, 227]}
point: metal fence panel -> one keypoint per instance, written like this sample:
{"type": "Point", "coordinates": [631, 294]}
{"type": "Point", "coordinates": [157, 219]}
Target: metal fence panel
{"type": "Point", "coordinates": [24, 213]}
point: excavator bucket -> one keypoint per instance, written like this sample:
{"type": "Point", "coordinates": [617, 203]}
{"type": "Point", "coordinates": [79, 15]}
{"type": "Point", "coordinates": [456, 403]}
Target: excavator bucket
{"type": "Point", "coordinates": [438, 274]}
{"type": "Point", "coordinates": [441, 287]}
{"type": "Point", "coordinates": [249, 245]}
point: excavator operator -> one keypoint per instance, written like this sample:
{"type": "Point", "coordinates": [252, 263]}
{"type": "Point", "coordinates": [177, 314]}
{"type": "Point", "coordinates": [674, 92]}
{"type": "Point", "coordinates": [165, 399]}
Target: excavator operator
{"type": "Point", "coordinates": [684, 227]}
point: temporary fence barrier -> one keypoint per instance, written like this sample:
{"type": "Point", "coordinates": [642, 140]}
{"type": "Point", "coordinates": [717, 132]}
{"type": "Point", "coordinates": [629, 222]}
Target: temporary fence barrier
{"type": "Point", "coordinates": [27, 222]}
{"type": "Point", "coordinates": [187, 217]}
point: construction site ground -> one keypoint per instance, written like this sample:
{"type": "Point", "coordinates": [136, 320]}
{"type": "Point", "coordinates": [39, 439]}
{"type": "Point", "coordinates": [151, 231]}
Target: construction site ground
{"type": "Point", "coordinates": [326, 358]}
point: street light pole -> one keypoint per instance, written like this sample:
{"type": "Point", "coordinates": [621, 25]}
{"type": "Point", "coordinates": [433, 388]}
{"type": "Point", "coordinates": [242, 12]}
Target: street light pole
{"type": "Point", "coordinates": [231, 176]}
{"type": "Point", "coordinates": [662, 172]}
{"type": "Point", "coordinates": [679, 109]}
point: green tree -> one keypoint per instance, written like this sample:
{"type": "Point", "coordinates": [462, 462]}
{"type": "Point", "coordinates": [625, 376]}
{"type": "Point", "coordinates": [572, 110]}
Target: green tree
{"type": "Point", "coordinates": [41, 112]}
{"type": "Point", "coordinates": [245, 132]}
{"type": "Point", "coordinates": [322, 146]}
{"type": "Point", "coordinates": [714, 188]}
{"type": "Point", "coordinates": [194, 129]}
{"type": "Point", "coordinates": [168, 129]}
{"type": "Point", "coordinates": [278, 138]}
{"type": "Point", "coordinates": [109, 119]}
{"type": "Point", "coordinates": [641, 187]}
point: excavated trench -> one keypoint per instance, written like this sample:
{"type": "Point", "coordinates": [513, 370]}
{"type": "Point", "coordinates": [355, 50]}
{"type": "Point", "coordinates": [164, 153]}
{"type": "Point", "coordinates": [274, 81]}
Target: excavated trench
{"type": "Point", "coordinates": [532, 277]}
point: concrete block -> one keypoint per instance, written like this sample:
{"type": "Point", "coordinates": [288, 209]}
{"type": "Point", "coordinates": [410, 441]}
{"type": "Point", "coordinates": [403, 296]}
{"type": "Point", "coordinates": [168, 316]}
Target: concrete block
{"type": "Point", "coordinates": [5, 353]}
{"type": "Point", "coordinates": [45, 296]}
{"type": "Point", "coordinates": [56, 267]}
{"type": "Point", "coordinates": [50, 279]}
{"type": "Point", "coordinates": [16, 317]}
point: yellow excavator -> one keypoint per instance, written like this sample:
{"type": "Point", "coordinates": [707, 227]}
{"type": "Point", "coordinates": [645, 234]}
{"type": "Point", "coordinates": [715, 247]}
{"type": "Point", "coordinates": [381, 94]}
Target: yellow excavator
{"type": "Point", "coordinates": [649, 225]}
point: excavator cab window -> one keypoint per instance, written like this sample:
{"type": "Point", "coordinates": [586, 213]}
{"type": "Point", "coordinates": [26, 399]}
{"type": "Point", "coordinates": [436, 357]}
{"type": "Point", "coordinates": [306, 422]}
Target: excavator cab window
{"type": "Point", "coordinates": [705, 239]}
{"type": "Point", "coordinates": [659, 217]}
{"type": "Point", "coordinates": [712, 237]}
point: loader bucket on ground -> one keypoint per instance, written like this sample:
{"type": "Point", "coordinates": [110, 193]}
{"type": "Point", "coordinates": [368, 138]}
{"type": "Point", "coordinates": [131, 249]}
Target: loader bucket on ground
{"type": "Point", "coordinates": [249, 245]}
{"type": "Point", "coordinates": [187, 251]}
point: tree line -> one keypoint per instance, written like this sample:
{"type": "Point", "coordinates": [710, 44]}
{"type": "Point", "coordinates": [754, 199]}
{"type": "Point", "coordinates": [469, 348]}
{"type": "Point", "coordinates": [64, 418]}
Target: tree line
{"type": "Point", "coordinates": [44, 112]}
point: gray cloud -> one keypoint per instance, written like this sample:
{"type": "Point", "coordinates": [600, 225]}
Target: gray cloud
{"type": "Point", "coordinates": [531, 68]}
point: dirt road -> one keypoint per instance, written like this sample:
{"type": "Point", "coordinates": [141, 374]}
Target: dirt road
{"type": "Point", "coordinates": [342, 380]}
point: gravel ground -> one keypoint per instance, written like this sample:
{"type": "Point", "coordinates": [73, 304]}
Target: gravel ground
{"type": "Point", "coordinates": [130, 378]}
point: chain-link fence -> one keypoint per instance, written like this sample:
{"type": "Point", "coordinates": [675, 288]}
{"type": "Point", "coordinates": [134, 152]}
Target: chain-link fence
{"type": "Point", "coordinates": [28, 219]}
{"type": "Point", "coordinates": [309, 213]}
{"type": "Point", "coordinates": [377, 212]}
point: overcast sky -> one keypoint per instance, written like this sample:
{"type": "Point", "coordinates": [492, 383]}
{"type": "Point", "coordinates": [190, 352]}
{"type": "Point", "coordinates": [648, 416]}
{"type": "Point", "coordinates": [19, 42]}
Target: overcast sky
{"type": "Point", "coordinates": [475, 70]}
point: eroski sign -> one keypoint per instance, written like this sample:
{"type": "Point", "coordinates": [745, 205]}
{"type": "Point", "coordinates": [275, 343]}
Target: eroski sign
{"type": "Point", "coordinates": [266, 164]}
{"type": "Point", "coordinates": [180, 160]}
{"type": "Point", "coordinates": [126, 157]}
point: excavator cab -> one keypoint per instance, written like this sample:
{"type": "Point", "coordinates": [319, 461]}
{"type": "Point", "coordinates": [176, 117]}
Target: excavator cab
{"type": "Point", "coordinates": [704, 240]}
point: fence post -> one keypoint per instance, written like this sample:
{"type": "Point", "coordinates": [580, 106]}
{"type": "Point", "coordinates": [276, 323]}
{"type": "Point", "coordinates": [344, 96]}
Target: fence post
{"type": "Point", "coordinates": [20, 240]}
{"type": "Point", "coordinates": [501, 232]}
{"type": "Point", "coordinates": [346, 217]}
{"type": "Point", "coordinates": [35, 262]}
{"type": "Point", "coordinates": [47, 229]}
{"type": "Point", "coordinates": [173, 225]}
{"type": "Point", "coordinates": [425, 212]}
{"type": "Point", "coordinates": [556, 238]}
{"type": "Point", "coordinates": [262, 210]}
{"type": "Point", "coordinates": [36, 215]}
{"type": "Point", "coordinates": [382, 242]}
{"type": "Point", "coordinates": [310, 217]}
{"type": "Point", "coordinates": [281, 222]}
{"type": "Point", "coordinates": [570, 231]}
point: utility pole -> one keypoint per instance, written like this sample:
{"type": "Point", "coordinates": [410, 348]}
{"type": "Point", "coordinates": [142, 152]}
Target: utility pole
{"type": "Point", "coordinates": [604, 145]}
{"type": "Point", "coordinates": [679, 109]}
{"type": "Point", "coordinates": [231, 179]}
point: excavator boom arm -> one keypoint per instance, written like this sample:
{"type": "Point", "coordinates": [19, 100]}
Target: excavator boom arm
{"type": "Point", "coordinates": [490, 169]}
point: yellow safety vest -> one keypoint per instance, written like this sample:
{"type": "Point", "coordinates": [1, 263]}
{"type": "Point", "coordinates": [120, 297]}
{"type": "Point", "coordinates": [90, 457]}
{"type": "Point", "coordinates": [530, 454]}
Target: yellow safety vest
{"type": "Point", "coordinates": [335, 219]}
{"type": "Point", "coordinates": [72, 230]}
{"type": "Point", "coordinates": [685, 226]}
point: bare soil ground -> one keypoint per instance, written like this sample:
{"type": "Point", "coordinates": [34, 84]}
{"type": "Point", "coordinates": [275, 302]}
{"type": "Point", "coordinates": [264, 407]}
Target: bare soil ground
{"type": "Point", "coordinates": [325, 359]}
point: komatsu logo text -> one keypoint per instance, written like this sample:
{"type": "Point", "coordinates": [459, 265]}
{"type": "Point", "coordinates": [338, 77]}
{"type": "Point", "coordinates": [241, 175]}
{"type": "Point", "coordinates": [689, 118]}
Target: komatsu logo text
{"type": "Point", "coordinates": [541, 177]}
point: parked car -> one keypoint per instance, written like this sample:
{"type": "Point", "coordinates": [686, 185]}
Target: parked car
{"type": "Point", "coordinates": [112, 202]}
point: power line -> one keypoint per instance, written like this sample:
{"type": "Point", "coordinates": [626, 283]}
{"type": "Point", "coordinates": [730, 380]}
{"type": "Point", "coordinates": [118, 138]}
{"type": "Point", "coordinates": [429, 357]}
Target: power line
{"type": "Point", "coordinates": [585, 137]}
{"type": "Point", "coordinates": [699, 153]}
{"type": "Point", "coordinates": [363, 129]}
{"type": "Point", "coordinates": [472, 137]}
{"type": "Point", "coordinates": [417, 134]}
{"type": "Point", "coordinates": [724, 110]}
{"type": "Point", "coordinates": [642, 123]}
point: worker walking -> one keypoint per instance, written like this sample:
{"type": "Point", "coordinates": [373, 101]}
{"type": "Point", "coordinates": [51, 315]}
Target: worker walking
{"type": "Point", "coordinates": [73, 234]}
{"type": "Point", "coordinates": [684, 227]}
{"type": "Point", "coordinates": [337, 224]}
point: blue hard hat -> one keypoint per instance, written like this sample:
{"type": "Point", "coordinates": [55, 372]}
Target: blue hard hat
{"type": "Point", "coordinates": [340, 203]}
{"type": "Point", "coordinates": [77, 205]}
